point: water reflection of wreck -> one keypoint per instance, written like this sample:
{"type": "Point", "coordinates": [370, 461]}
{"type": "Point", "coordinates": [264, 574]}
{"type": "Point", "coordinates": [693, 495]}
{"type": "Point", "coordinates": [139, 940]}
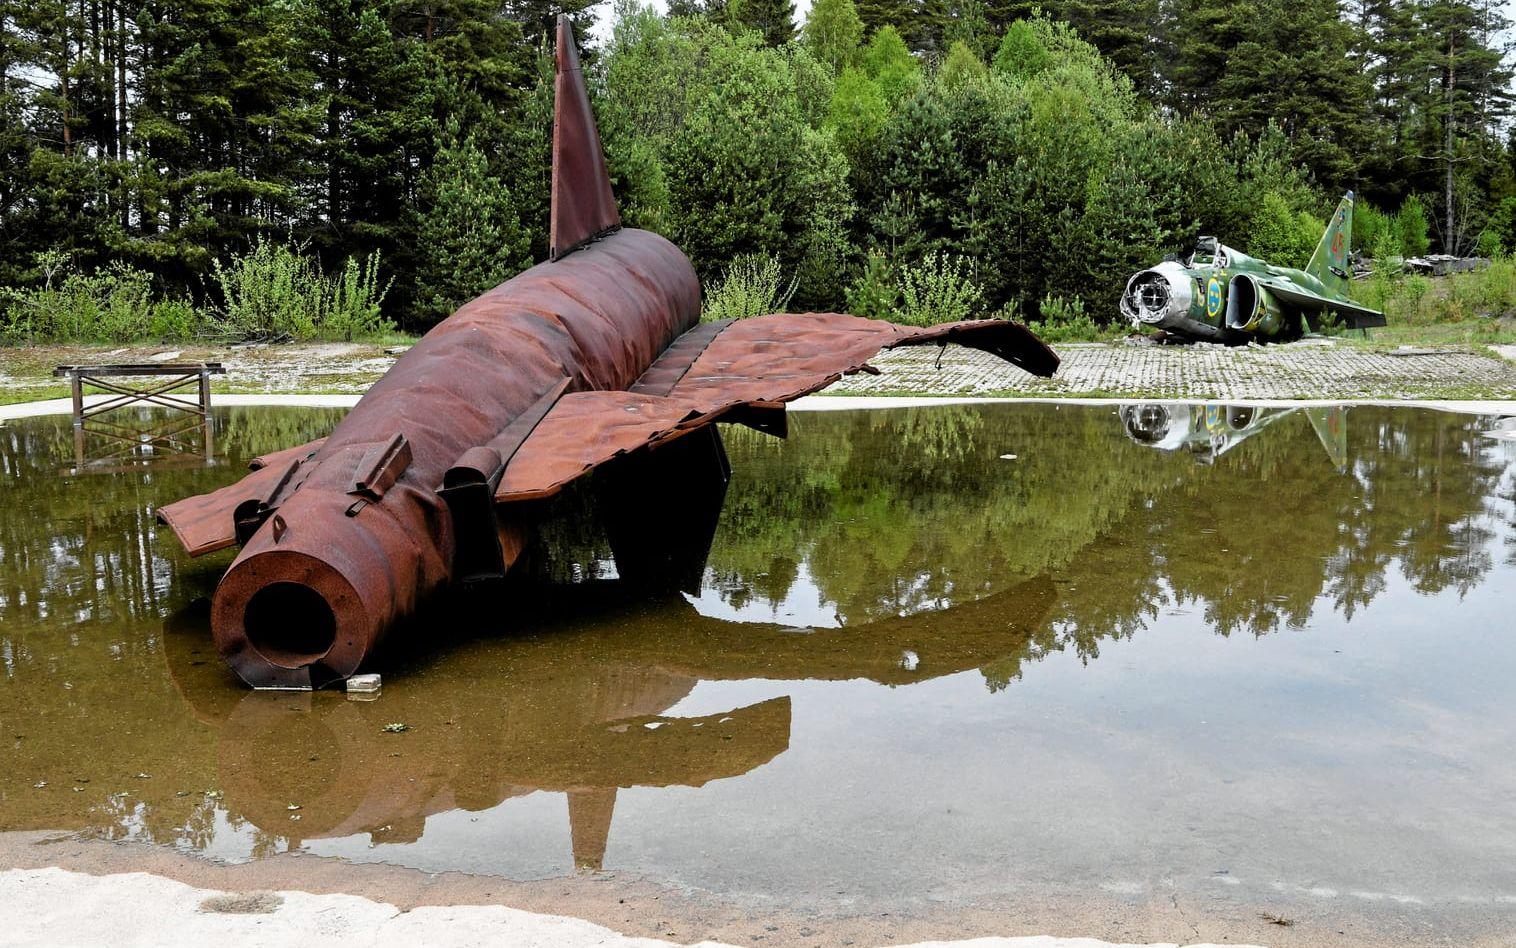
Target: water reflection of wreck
{"type": "Point", "coordinates": [577, 706]}
{"type": "Point", "coordinates": [1209, 430]}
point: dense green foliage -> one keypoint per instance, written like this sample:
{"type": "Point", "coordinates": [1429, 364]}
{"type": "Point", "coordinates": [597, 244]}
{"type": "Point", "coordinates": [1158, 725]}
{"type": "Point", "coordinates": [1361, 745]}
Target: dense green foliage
{"type": "Point", "coordinates": [1027, 160]}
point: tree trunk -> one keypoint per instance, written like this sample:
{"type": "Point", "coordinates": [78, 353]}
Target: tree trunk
{"type": "Point", "coordinates": [333, 128]}
{"type": "Point", "coordinates": [1450, 243]}
{"type": "Point", "coordinates": [121, 122]}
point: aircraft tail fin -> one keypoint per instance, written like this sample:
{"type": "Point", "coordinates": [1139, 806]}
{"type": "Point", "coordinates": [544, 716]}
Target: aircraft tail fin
{"type": "Point", "coordinates": [583, 206]}
{"type": "Point", "coordinates": [1329, 263]}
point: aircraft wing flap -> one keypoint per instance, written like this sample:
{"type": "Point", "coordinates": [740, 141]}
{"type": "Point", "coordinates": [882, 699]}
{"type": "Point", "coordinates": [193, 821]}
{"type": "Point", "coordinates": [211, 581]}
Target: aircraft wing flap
{"type": "Point", "coordinates": [205, 523]}
{"type": "Point", "coordinates": [587, 429]}
{"type": "Point", "coordinates": [1356, 317]}
{"type": "Point", "coordinates": [781, 357]}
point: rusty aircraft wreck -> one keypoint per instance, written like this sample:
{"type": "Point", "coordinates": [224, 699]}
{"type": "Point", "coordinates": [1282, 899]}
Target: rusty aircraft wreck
{"type": "Point", "coordinates": [593, 359]}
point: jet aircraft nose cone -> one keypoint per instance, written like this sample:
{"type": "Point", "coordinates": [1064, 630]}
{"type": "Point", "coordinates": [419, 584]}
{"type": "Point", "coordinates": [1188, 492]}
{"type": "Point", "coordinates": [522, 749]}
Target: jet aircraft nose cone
{"type": "Point", "coordinates": [1154, 297]}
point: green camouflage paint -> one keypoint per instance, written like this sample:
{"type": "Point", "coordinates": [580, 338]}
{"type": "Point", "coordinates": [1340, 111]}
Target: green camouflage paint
{"type": "Point", "coordinates": [1223, 295]}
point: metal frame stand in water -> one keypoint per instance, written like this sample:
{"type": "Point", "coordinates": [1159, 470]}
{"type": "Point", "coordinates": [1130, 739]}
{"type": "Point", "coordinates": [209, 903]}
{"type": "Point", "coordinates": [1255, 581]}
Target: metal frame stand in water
{"type": "Point", "coordinates": [168, 378]}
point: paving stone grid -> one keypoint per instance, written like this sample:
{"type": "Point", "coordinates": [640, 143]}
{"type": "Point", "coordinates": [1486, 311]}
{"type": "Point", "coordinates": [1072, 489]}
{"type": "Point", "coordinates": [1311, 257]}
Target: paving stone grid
{"type": "Point", "coordinates": [1297, 370]}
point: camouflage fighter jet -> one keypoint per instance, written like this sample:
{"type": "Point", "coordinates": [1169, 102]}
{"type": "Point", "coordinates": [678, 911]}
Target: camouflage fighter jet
{"type": "Point", "coordinates": [1223, 295]}
{"type": "Point", "coordinates": [1206, 431]}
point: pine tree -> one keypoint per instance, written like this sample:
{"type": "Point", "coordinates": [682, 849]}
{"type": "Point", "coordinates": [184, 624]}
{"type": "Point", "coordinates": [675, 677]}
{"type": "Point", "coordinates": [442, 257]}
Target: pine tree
{"type": "Point", "coordinates": [1464, 95]}
{"type": "Point", "coordinates": [1203, 34]}
{"type": "Point", "coordinates": [470, 226]}
{"type": "Point", "coordinates": [538, 22]}
{"type": "Point", "coordinates": [1296, 69]}
{"type": "Point", "coordinates": [1123, 31]}
{"type": "Point", "coordinates": [945, 22]}
{"type": "Point", "coordinates": [773, 20]}
{"type": "Point", "coordinates": [900, 14]}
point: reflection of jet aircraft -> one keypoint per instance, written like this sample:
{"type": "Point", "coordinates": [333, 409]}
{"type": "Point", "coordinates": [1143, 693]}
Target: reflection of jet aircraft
{"type": "Point", "coordinates": [580, 710]}
{"type": "Point", "coordinates": [1208, 431]}
{"type": "Point", "coordinates": [1223, 295]}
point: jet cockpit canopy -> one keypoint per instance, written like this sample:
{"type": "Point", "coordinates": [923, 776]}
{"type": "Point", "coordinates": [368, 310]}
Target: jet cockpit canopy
{"type": "Point", "coordinates": [1208, 252]}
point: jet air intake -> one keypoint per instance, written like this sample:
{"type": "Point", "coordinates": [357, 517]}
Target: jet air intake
{"type": "Point", "coordinates": [1250, 307]}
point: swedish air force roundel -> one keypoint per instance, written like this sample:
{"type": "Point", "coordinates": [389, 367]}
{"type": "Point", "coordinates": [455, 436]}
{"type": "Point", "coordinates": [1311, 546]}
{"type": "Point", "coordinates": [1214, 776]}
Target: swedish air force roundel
{"type": "Point", "coordinates": [1213, 297]}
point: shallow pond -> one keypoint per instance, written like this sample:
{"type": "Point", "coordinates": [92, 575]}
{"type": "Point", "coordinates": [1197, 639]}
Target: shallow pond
{"type": "Point", "coordinates": [959, 653]}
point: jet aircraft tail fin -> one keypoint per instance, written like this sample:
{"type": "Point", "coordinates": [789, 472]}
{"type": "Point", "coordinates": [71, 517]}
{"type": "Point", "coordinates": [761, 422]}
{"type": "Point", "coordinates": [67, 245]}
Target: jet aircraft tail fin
{"type": "Point", "coordinates": [583, 206]}
{"type": "Point", "coordinates": [1329, 263]}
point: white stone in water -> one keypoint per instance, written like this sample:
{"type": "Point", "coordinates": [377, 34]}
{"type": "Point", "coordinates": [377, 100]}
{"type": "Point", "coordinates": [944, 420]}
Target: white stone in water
{"type": "Point", "coordinates": [363, 684]}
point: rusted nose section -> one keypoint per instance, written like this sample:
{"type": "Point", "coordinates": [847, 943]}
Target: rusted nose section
{"type": "Point", "coordinates": [285, 619]}
{"type": "Point", "coordinates": [321, 581]}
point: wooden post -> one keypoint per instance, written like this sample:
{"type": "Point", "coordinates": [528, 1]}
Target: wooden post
{"type": "Point", "coordinates": [78, 384]}
{"type": "Point", "coordinates": [205, 409]}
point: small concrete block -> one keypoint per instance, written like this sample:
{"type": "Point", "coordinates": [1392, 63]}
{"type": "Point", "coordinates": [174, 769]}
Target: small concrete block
{"type": "Point", "coordinates": [363, 685]}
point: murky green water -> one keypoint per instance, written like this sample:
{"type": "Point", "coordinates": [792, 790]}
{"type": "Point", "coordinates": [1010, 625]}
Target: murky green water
{"type": "Point", "coordinates": [949, 653]}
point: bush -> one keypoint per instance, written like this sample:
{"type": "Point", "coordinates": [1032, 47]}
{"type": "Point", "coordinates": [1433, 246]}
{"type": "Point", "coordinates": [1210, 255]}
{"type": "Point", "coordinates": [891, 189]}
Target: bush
{"type": "Point", "coordinates": [752, 286]}
{"type": "Point", "coordinates": [1281, 235]}
{"type": "Point", "coordinates": [275, 292]}
{"type": "Point", "coordinates": [1064, 320]}
{"type": "Point", "coordinates": [939, 289]}
{"type": "Point", "coordinates": [1411, 227]}
{"type": "Point", "coordinates": [353, 300]}
{"type": "Point", "coordinates": [1374, 231]}
{"type": "Point", "coordinates": [111, 304]}
{"type": "Point", "coordinates": [267, 293]}
{"type": "Point", "coordinates": [176, 319]}
{"type": "Point", "coordinates": [875, 293]}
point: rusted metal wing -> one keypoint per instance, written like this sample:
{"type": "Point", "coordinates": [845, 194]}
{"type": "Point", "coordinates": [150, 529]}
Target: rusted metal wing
{"type": "Point", "coordinates": [716, 370]}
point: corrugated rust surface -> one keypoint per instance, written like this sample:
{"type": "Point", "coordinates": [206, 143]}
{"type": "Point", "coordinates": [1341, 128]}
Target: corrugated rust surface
{"type": "Point", "coordinates": [589, 428]}
{"type": "Point", "coordinates": [344, 536]}
{"type": "Point", "coordinates": [583, 205]}
{"type": "Point", "coordinates": [716, 368]}
{"type": "Point", "coordinates": [299, 452]}
{"type": "Point", "coordinates": [204, 524]}
{"type": "Point", "coordinates": [779, 358]}
{"type": "Point", "coordinates": [661, 377]}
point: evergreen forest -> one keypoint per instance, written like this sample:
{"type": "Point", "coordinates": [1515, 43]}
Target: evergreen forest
{"type": "Point", "coordinates": [340, 168]}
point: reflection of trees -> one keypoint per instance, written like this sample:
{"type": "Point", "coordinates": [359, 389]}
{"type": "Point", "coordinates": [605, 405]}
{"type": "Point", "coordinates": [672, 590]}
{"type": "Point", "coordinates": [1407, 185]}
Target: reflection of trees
{"type": "Point", "coordinates": [84, 543]}
{"type": "Point", "coordinates": [908, 510]}
{"type": "Point", "coordinates": [888, 525]}
{"type": "Point", "coordinates": [84, 588]}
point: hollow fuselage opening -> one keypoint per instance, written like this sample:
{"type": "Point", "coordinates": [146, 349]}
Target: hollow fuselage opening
{"type": "Point", "coordinates": [289, 624]}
